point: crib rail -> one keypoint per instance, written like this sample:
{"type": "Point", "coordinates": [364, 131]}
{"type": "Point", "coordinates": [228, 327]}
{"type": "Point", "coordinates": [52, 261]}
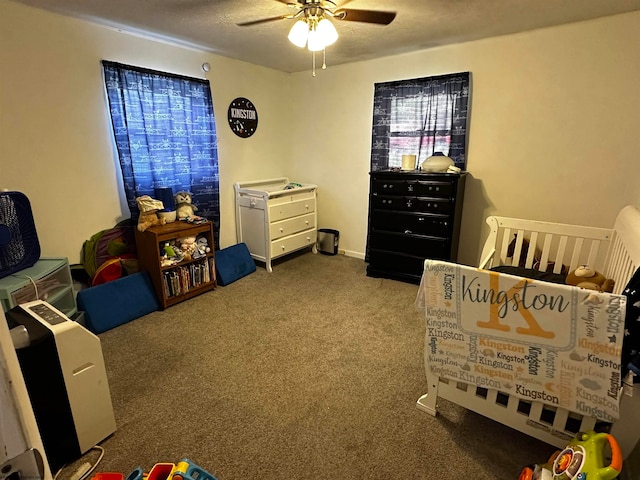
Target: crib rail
{"type": "Point", "coordinates": [556, 248]}
{"type": "Point", "coordinates": [624, 253]}
{"type": "Point", "coordinates": [555, 426]}
{"type": "Point", "coordinates": [544, 246]}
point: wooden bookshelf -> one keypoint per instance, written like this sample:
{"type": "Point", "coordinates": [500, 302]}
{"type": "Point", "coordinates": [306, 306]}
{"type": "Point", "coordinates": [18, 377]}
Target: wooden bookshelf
{"type": "Point", "coordinates": [179, 281]}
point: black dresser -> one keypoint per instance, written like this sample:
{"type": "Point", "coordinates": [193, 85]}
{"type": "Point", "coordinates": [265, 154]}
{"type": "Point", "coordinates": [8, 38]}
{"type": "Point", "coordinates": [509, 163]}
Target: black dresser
{"type": "Point", "coordinates": [412, 216]}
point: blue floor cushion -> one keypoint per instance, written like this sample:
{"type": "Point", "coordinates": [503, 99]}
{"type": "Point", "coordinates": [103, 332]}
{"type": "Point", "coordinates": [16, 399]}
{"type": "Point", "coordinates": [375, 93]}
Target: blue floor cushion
{"type": "Point", "coordinates": [233, 263]}
{"type": "Point", "coordinates": [116, 302]}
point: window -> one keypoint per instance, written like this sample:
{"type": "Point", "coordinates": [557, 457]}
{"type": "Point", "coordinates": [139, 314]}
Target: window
{"type": "Point", "coordinates": [419, 117]}
{"type": "Point", "coordinates": [165, 134]}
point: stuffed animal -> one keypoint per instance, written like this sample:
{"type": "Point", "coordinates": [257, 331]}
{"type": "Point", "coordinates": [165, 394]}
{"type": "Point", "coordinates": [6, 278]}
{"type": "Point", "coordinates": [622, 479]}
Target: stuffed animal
{"type": "Point", "coordinates": [149, 208]}
{"type": "Point", "coordinates": [187, 246]}
{"type": "Point", "coordinates": [202, 247]}
{"type": "Point", "coordinates": [171, 254]}
{"type": "Point", "coordinates": [184, 208]}
{"type": "Point", "coordinates": [586, 277]}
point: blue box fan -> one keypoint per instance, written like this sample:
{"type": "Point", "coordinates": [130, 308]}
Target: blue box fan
{"type": "Point", "coordinates": [19, 246]}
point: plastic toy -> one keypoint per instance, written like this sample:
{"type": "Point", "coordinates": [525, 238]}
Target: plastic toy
{"type": "Point", "coordinates": [582, 459]}
{"type": "Point", "coordinates": [187, 470]}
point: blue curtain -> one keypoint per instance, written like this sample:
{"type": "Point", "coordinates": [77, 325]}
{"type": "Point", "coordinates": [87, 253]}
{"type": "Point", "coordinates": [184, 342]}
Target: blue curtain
{"type": "Point", "coordinates": [418, 117]}
{"type": "Point", "coordinates": [165, 134]}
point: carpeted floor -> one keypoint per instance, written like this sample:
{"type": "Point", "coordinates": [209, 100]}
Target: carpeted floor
{"type": "Point", "coordinates": [310, 372]}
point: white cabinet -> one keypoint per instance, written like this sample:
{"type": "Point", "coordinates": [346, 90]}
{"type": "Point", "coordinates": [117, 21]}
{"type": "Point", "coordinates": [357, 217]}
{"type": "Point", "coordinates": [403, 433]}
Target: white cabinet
{"type": "Point", "coordinates": [274, 217]}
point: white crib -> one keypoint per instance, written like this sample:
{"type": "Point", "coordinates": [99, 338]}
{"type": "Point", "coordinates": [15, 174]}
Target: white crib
{"type": "Point", "coordinates": [614, 252]}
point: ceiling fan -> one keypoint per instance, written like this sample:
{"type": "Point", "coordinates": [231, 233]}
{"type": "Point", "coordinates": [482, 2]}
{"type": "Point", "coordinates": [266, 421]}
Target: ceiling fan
{"type": "Point", "coordinates": [313, 28]}
{"type": "Point", "coordinates": [327, 8]}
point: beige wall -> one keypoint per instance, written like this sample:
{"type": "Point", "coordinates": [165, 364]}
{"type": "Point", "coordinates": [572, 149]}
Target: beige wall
{"type": "Point", "coordinates": [554, 117]}
{"type": "Point", "coordinates": [553, 133]}
{"type": "Point", "coordinates": [56, 144]}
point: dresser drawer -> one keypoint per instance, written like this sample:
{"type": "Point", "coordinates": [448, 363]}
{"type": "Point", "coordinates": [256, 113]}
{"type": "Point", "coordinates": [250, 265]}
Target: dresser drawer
{"type": "Point", "coordinates": [403, 222]}
{"type": "Point", "coordinates": [433, 189]}
{"type": "Point", "coordinates": [291, 209]}
{"type": "Point", "coordinates": [294, 196]}
{"type": "Point", "coordinates": [412, 204]}
{"type": "Point", "coordinates": [413, 187]}
{"type": "Point", "coordinates": [396, 262]}
{"type": "Point", "coordinates": [288, 244]}
{"type": "Point", "coordinates": [422, 246]}
{"type": "Point", "coordinates": [291, 225]}
{"type": "Point", "coordinates": [385, 186]}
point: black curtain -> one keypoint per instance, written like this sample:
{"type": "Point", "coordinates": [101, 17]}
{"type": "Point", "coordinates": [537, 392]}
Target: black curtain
{"type": "Point", "coordinates": [420, 116]}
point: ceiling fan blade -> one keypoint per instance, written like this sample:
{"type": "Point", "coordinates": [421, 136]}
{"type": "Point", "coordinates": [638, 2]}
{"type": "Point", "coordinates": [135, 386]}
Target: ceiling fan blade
{"type": "Point", "coordinates": [263, 20]}
{"type": "Point", "coordinates": [366, 16]}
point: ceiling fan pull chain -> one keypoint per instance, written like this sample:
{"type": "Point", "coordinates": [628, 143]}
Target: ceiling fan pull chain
{"type": "Point", "coordinates": [313, 64]}
{"type": "Point", "coordinates": [324, 58]}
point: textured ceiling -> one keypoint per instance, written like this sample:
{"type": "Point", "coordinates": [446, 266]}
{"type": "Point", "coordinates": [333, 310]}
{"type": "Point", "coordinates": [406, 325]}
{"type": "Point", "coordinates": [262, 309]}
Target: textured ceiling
{"type": "Point", "coordinates": [212, 24]}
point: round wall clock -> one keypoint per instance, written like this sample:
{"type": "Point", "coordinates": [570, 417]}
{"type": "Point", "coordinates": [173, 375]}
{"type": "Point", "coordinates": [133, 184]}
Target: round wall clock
{"type": "Point", "coordinates": [243, 117]}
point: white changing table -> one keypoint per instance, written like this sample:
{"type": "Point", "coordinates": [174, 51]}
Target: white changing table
{"type": "Point", "coordinates": [273, 220]}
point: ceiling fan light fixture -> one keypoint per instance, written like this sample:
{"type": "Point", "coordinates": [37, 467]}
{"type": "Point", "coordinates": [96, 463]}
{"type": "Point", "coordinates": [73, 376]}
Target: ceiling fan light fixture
{"type": "Point", "coordinates": [315, 42]}
{"type": "Point", "coordinates": [313, 27]}
{"type": "Point", "coordinates": [299, 33]}
{"type": "Point", "coordinates": [327, 32]}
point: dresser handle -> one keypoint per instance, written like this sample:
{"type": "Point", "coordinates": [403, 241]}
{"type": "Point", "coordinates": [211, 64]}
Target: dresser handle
{"type": "Point", "coordinates": [252, 203]}
{"type": "Point", "coordinates": [281, 230]}
{"type": "Point", "coordinates": [283, 248]}
{"type": "Point", "coordinates": [408, 231]}
{"type": "Point", "coordinates": [421, 219]}
{"type": "Point", "coordinates": [306, 222]}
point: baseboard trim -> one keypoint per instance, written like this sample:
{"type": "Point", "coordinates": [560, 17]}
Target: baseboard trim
{"type": "Point", "coordinates": [351, 253]}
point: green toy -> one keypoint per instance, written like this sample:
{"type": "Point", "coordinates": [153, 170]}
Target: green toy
{"type": "Point", "coordinates": [582, 459]}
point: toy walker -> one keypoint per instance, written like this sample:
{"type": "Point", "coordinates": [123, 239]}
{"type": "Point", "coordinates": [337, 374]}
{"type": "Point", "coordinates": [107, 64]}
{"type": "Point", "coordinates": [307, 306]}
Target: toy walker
{"type": "Point", "coordinates": [582, 459]}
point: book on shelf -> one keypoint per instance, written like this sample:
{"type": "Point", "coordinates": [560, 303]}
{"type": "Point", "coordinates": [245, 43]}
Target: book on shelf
{"type": "Point", "coordinates": [182, 279]}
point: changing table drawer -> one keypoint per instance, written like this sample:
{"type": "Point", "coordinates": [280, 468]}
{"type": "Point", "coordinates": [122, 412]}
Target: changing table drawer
{"type": "Point", "coordinates": [291, 209]}
{"type": "Point", "coordinates": [288, 244]}
{"type": "Point", "coordinates": [291, 225]}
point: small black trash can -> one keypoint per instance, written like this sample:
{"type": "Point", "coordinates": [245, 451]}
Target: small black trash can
{"type": "Point", "coordinates": [328, 241]}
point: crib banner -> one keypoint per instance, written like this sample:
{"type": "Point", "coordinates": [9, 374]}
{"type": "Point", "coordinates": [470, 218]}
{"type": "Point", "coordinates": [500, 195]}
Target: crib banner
{"type": "Point", "coordinates": [557, 344]}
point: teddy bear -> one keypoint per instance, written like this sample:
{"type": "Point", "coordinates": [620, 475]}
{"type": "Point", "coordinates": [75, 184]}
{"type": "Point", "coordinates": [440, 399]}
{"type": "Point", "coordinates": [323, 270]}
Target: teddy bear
{"type": "Point", "coordinates": [149, 208]}
{"type": "Point", "coordinates": [187, 246]}
{"type": "Point", "coordinates": [586, 277]}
